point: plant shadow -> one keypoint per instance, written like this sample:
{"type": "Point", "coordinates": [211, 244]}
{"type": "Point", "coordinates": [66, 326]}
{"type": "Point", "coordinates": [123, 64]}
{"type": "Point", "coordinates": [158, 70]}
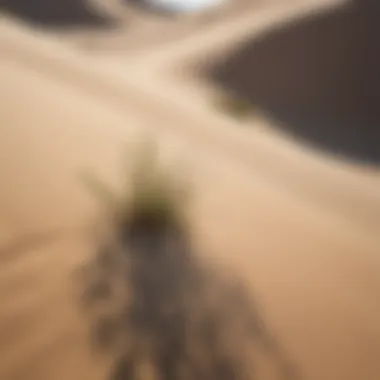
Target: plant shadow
{"type": "Point", "coordinates": [152, 304]}
{"type": "Point", "coordinates": [316, 77]}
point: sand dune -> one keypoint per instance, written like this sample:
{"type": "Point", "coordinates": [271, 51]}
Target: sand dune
{"type": "Point", "coordinates": [328, 63]}
{"type": "Point", "coordinates": [313, 268]}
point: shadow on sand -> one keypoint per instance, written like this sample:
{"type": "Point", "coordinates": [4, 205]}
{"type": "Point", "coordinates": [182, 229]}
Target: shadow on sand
{"type": "Point", "coordinates": [57, 13]}
{"type": "Point", "coordinates": [318, 77]}
{"type": "Point", "coordinates": [153, 306]}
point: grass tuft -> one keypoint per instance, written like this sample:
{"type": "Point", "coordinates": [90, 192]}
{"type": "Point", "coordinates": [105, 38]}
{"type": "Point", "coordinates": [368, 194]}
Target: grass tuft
{"type": "Point", "coordinates": [234, 106]}
{"type": "Point", "coordinates": [154, 200]}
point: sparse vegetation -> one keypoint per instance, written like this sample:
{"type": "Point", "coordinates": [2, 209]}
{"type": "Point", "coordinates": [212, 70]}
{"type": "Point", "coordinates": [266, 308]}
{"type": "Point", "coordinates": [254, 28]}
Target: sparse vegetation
{"type": "Point", "coordinates": [157, 196]}
{"type": "Point", "coordinates": [234, 106]}
{"type": "Point", "coordinates": [152, 198]}
{"type": "Point", "coordinates": [155, 303]}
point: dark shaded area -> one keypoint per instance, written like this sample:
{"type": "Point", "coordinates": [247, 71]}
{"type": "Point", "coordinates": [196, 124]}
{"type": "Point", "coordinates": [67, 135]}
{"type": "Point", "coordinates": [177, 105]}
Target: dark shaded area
{"type": "Point", "coordinates": [318, 77]}
{"type": "Point", "coordinates": [57, 13]}
{"type": "Point", "coordinates": [150, 300]}
{"type": "Point", "coordinates": [149, 7]}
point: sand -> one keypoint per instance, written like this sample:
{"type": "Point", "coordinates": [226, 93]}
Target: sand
{"type": "Point", "coordinates": [300, 229]}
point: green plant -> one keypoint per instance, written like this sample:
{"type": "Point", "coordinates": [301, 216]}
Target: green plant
{"type": "Point", "coordinates": [234, 106]}
{"type": "Point", "coordinates": [155, 198]}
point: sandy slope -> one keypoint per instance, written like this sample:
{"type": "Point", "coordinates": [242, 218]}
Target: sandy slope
{"type": "Point", "coordinates": [315, 273]}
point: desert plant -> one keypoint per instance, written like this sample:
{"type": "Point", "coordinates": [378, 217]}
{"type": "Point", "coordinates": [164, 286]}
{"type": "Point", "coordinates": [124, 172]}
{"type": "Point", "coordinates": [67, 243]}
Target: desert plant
{"type": "Point", "coordinates": [157, 197]}
{"type": "Point", "coordinates": [234, 106]}
{"type": "Point", "coordinates": [152, 198]}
